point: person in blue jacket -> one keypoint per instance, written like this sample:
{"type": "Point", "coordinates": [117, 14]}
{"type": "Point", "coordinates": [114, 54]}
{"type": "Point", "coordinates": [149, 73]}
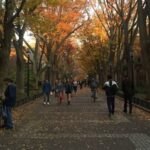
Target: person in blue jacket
{"type": "Point", "coordinates": [47, 88]}
{"type": "Point", "coordinates": [9, 102]}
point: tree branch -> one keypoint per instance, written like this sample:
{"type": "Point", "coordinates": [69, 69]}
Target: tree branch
{"type": "Point", "coordinates": [17, 12]}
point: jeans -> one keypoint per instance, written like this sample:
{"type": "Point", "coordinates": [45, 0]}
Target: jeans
{"type": "Point", "coordinates": [111, 104]}
{"type": "Point", "coordinates": [8, 122]}
{"type": "Point", "coordinates": [46, 97]}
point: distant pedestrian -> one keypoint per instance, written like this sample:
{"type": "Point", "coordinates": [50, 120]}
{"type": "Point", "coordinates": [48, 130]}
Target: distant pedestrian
{"type": "Point", "coordinates": [9, 102]}
{"type": "Point", "coordinates": [110, 88]}
{"type": "Point", "coordinates": [75, 86]}
{"type": "Point", "coordinates": [128, 93]}
{"type": "Point", "coordinates": [81, 84]}
{"type": "Point", "coordinates": [94, 87]}
{"type": "Point", "coordinates": [68, 90]}
{"type": "Point", "coordinates": [59, 90]}
{"type": "Point", "coordinates": [47, 88]}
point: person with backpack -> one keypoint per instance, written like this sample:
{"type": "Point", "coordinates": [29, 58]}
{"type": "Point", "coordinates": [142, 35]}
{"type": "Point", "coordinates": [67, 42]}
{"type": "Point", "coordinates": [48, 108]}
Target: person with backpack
{"type": "Point", "coordinates": [111, 88]}
{"type": "Point", "coordinates": [128, 94]}
{"type": "Point", "coordinates": [9, 102]}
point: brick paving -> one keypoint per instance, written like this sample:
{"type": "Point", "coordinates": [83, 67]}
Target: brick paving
{"type": "Point", "coordinates": [82, 125]}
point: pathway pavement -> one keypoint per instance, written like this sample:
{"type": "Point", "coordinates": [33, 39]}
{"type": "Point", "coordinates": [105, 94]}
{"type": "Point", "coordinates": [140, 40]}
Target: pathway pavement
{"type": "Point", "coordinates": [81, 126]}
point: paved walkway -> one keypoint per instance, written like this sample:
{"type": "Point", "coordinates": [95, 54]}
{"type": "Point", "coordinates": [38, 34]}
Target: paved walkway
{"type": "Point", "coordinates": [81, 126]}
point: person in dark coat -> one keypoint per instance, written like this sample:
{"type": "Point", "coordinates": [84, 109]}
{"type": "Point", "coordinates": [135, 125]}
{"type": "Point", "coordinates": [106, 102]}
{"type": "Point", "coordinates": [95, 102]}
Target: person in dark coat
{"type": "Point", "coordinates": [128, 93]}
{"type": "Point", "coordinates": [110, 88]}
{"type": "Point", "coordinates": [68, 90]}
{"type": "Point", "coordinates": [9, 102]}
{"type": "Point", "coordinates": [47, 88]}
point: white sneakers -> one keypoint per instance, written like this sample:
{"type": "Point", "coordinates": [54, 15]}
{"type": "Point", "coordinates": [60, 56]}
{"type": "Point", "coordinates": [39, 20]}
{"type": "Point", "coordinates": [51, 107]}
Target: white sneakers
{"type": "Point", "coordinates": [46, 103]}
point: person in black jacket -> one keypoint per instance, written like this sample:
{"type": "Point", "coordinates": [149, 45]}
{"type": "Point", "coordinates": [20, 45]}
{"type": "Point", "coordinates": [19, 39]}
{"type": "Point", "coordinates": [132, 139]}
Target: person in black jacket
{"type": "Point", "coordinates": [68, 90]}
{"type": "Point", "coordinates": [128, 93]}
{"type": "Point", "coordinates": [9, 102]}
{"type": "Point", "coordinates": [110, 88]}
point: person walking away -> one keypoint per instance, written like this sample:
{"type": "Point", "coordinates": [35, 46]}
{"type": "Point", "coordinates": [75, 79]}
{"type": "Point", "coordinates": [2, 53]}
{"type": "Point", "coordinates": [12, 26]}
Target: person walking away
{"type": "Point", "coordinates": [94, 86]}
{"type": "Point", "coordinates": [75, 86]}
{"type": "Point", "coordinates": [9, 102]}
{"type": "Point", "coordinates": [59, 89]}
{"type": "Point", "coordinates": [68, 90]}
{"type": "Point", "coordinates": [128, 94]}
{"type": "Point", "coordinates": [81, 84]}
{"type": "Point", "coordinates": [47, 88]}
{"type": "Point", "coordinates": [111, 89]}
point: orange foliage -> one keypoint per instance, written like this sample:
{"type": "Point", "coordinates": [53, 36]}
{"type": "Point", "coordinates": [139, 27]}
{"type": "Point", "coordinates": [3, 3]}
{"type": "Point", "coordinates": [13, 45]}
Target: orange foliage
{"type": "Point", "coordinates": [12, 53]}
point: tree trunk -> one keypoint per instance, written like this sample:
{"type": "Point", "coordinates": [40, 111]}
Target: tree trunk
{"type": "Point", "coordinates": [5, 52]}
{"type": "Point", "coordinates": [144, 40]}
{"type": "Point", "coordinates": [20, 62]}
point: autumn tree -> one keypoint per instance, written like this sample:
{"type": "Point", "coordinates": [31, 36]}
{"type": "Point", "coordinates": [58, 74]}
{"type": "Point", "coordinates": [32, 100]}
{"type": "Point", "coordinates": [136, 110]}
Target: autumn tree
{"type": "Point", "coordinates": [57, 23]}
{"type": "Point", "coordinates": [10, 10]}
{"type": "Point", "coordinates": [127, 12]}
{"type": "Point", "coordinates": [94, 52]}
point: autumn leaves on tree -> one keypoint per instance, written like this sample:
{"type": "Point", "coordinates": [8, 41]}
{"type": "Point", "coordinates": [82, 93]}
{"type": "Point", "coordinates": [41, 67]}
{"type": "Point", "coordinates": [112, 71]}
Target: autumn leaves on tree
{"type": "Point", "coordinates": [75, 36]}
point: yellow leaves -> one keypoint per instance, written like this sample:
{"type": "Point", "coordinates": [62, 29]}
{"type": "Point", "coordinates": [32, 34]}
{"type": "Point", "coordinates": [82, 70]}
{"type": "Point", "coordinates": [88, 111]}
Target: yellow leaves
{"type": "Point", "coordinates": [62, 26]}
{"type": "Point", "coordinates": [71, 16]}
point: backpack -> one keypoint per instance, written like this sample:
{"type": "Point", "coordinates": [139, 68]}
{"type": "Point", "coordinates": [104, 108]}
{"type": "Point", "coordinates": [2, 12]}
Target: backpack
{"type": "Point", "coordinates": [113, 88]}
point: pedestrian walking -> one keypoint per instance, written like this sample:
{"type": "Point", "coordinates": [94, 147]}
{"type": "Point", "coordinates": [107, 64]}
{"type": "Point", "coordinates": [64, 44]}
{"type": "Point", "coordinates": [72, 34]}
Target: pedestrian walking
{"type": "Point", "coordinates": [128, 94]}
{"type": "Point", "coordinates": [110, 87]}
{"type": "Point", "coordinates": [94, 86]}
{"type": "Point", "coordinates": [47, 88]}
{"type": "Point", "coordinates": [68, 90]}
{"type": "Point", "coordinates": [75, 86]}
{"type": "Point", "coordinates": [59, 90]}
{"type": "Point", "coordinates": [9, 102]}
{"type": "Point", "coordinates": [81, 84]}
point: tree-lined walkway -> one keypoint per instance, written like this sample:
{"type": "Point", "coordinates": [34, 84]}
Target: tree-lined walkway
{"type": "Point", "coordinates": [82, 125]}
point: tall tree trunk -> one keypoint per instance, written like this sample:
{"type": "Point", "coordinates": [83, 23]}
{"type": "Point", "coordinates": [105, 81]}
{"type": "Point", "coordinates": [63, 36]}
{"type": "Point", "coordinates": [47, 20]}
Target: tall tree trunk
{"type": "Point", "coordinates": [5, 52]}
{"type": "Point", "coordinates": [144, 39]}
{"type": "Point", "coordinates": [20, 62]}
{"type": "Point", "coordinates": [5, 41]}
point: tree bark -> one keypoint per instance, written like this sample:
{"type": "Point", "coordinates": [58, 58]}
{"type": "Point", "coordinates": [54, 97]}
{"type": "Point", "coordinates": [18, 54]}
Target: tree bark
{"type": "Point", "coordinates": [20, 62]}
{"type": "Point", "coordinates": [144, 38]}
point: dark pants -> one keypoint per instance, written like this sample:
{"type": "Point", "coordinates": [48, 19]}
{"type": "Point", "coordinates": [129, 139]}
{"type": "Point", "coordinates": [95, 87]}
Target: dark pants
{"type": "Point", "coordinates": [8, 119]}
{"type": "Point", "coordinates": [127, 99]}
{"type": "Point", "coordinates": [111, 104]}
{"type": "Point", "coordinates": [46, 97]}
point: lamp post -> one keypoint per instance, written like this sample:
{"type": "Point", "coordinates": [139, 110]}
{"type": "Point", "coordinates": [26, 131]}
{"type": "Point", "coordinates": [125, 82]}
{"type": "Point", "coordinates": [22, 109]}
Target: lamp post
{"type": "Point", "coordinates": [132, 69]}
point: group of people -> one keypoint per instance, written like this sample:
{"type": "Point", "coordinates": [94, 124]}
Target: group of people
{"type": "Point", "coordinates": [59, 89]}
{"type": "Point", "coordinates": [111, 88]}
